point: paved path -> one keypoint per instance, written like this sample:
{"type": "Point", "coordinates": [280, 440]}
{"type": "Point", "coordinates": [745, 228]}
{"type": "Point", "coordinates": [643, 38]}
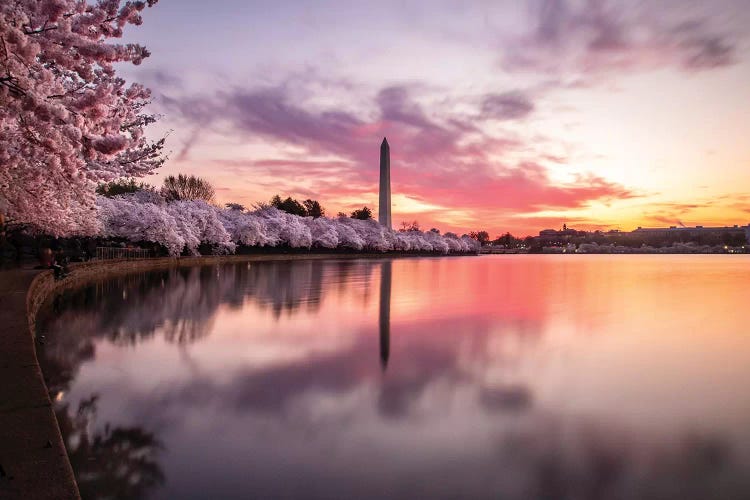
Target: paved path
{"type": "Point", "coordinates": [33, 463]}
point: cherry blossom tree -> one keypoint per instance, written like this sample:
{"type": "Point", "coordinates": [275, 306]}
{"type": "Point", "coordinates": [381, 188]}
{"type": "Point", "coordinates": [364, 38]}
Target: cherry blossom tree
{"type": "Point", "coordinates": [246, 229]}
{"type": "Point", "coordinates": [126, 217]}
{"type": "Point", "coordinates": [185, 225]}
{"type": "Point", "coordinates": [198, 222]}
{"type": "Point", "coordinates": [67, 121]}
{"type": "Point", "coordinates": [323, 232]}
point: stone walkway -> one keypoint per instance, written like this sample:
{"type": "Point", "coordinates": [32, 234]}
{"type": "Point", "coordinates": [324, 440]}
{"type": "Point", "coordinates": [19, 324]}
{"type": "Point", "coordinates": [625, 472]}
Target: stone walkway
{"type": "Point", "coordinates": [33, 462]}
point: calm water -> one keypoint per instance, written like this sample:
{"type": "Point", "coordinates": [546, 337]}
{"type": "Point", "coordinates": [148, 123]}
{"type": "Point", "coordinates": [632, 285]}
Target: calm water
{"type": "Point", "coordinates": [481, 377]}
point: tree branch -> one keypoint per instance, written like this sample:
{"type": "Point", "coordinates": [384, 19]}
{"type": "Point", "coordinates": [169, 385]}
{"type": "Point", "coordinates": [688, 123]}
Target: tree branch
{"type": "Point", "coordinates": [72, 91]}
{"type": "Point", "coordinates": [15, 89]}
{"type": "Point", "coordinates": [40, 30]}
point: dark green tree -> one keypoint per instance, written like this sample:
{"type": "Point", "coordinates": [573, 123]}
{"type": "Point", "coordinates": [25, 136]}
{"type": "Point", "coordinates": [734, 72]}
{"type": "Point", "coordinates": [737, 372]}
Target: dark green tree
{"type": "Point", "coordinates": [481, 236]}
{"type": "Point", "coordinates": [122, 186]}
{"type": "Point", "coordinates": [289, 205]}
{"type": "Point", "coordinates": [507, 240]}
{"type": "Point", "coordinates": [362, 214]}
{"type": "Point", "coordinates": [314, 209]}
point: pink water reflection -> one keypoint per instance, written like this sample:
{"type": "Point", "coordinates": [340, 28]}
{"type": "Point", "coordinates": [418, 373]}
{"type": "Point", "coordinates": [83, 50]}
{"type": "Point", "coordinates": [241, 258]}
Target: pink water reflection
{"type": "Point", "coordinates": [503, 376]}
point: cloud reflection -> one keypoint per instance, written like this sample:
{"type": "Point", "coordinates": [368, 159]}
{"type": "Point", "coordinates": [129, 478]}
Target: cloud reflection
{"type": "Point", "coordinates": [497, 379]}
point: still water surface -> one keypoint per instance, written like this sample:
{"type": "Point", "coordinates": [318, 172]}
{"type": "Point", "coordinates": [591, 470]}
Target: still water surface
{"type": "Point", "coordinates": [470, 377]}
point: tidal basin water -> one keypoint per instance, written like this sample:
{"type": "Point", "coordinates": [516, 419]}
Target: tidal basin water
{"type": "Point", "coordinates": [513, 377]}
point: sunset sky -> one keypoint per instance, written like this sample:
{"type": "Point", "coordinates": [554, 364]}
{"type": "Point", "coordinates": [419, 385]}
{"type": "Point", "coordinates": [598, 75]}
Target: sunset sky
{"type": "Point", "coordinates": [501, 115]}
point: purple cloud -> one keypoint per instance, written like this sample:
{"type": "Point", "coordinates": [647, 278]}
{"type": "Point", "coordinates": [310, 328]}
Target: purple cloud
{"type": "Point", "coordinates": [597, 36]}
{"type": "Point", "coordinates": [506, 106]}
{"type": "Point", "coordinates": [443, 162]}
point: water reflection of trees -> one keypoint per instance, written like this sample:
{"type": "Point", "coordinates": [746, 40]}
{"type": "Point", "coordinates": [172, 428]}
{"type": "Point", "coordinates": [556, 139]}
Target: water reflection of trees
{"type": "Point", "coordinates": [182, 302]}
{"type": "Point", "coordinates": [119, 463]}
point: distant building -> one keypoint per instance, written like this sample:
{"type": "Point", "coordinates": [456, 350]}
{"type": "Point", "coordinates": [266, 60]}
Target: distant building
{"type": "Point", "coordinates": [554, 233]}
{"type": "Point", "coordinates": [692, 232]}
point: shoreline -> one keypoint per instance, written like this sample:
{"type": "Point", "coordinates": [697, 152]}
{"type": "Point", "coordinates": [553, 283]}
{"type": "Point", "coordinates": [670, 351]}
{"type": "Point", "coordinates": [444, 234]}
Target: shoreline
{"type": "Point", "coordinates": [614, 253]}
{"type": "Point", "coordinates": [33, 460]}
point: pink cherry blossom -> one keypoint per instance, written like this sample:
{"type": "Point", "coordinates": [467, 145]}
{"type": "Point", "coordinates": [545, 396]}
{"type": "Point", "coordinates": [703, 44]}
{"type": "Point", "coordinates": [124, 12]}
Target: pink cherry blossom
{"type": "Point", "coordinates": [182, 226]}
{"type": "Point", "coordinates": [67, 120]}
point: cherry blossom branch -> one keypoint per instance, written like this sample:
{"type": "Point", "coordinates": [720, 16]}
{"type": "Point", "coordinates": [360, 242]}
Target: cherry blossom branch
{"type": "Point", "coordinates": [10, 82]}
{"type": "Point", "coordinates": [70, 92]}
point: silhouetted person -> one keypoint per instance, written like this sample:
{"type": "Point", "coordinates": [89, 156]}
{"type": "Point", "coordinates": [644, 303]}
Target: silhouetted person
{"type": "Point", "coordinates": [59, 266]}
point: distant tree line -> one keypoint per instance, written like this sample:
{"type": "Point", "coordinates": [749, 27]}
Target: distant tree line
{"type": "Point", "coordinates": [363, 213]}
{"type": "Point", "coordinates": [308, 208]}
{"type": "Point", "coordinates": [633, 239]}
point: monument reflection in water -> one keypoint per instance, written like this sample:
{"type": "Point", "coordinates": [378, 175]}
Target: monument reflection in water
{"type": "Point", "coordinates": [499, 377]}
{"type": "Point", "coordinates": [384, 318]}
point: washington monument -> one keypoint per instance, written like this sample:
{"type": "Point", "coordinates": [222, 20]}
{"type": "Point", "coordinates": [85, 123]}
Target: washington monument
{"type": "Point", "coordinates": [384, 209]}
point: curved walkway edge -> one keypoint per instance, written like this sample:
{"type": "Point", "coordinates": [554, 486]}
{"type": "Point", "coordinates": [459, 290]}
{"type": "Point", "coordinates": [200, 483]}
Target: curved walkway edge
{"type": "Point", "coordinates": [33, 461]}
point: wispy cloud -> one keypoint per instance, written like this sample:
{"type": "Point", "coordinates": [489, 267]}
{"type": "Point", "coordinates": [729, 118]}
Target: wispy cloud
{"type": "Point", "coordinates": [598, 37]}
{"type": "Point", "coordinates": [506, 106]}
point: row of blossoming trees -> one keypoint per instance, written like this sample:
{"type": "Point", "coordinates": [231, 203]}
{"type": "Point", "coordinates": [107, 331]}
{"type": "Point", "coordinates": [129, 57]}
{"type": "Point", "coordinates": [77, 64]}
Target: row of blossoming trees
{"type": "Point", "coordinates": [68, 122]}
{"type": "Point", "coordinates": [184, 225]}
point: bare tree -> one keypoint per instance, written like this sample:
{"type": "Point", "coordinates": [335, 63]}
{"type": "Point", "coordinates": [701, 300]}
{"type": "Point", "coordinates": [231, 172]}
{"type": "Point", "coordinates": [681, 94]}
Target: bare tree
{"type": "Point", "coordinates": [409, 226]}
{"type": "Point", "coordinates": [185, 187]}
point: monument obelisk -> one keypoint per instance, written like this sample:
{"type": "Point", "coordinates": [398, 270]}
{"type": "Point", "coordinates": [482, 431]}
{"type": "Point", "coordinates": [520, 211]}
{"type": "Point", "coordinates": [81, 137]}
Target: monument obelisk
{"type": "Point", "coordinates": [384, 209]}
